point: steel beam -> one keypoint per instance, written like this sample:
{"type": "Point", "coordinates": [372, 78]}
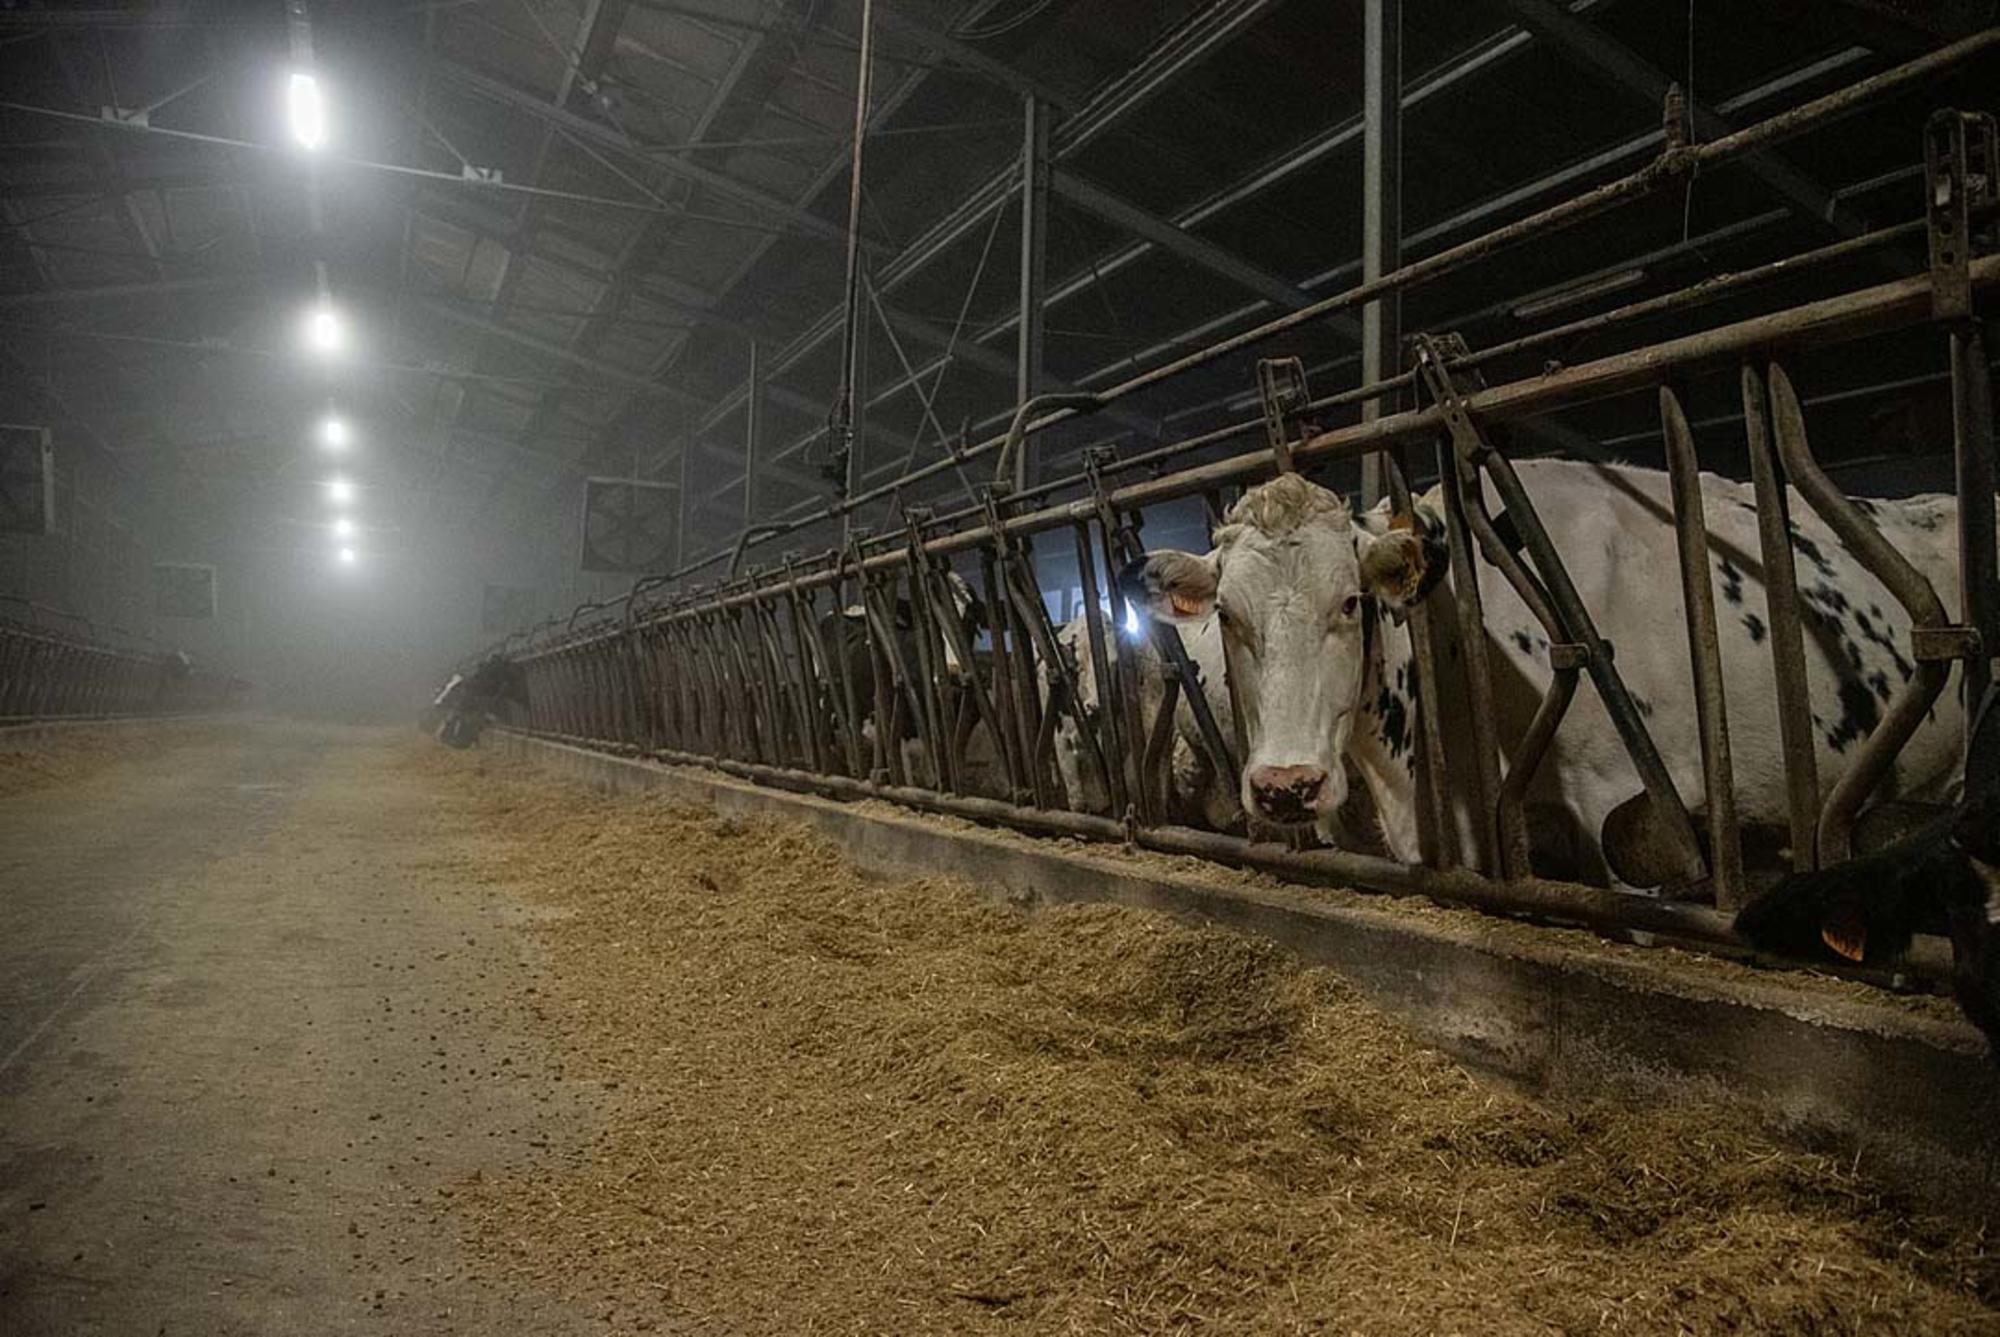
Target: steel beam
{"type": "Point", "coordinates": [1034, 265]}
{"type": "Point", "coordinates": [597, 132]}
{"type": "Point", "coordinates": [110, 291]}
{"type": "Point", "coordinates": [1173, 55]}
{"type": "Point", "coordinates": [618, 376]}
{"type": "Point", "coordinates": [753, 427]}
{"type": "Point", "coordinates": [1381, 208]}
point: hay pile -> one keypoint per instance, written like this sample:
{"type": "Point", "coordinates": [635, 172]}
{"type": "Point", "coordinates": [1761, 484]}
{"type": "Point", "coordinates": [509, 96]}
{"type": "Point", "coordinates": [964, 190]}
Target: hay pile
{"type": "Point", "coordinates": [82, 751]}
{"type": "Point", "coordinates": [848, 1107]}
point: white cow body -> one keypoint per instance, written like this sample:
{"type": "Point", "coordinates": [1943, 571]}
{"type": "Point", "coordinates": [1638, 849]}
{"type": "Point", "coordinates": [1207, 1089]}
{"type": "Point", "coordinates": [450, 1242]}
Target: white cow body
{"type": "Point", "coordinates": [1339, 693]}
{"type": "Point", "coordinates": [1194, 783]}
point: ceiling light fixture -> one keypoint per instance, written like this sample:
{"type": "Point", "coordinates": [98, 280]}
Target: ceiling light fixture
{"type": "Point", "coordinates": [323, 330]}
{"type": "Point", "coordinates": [305, 109]}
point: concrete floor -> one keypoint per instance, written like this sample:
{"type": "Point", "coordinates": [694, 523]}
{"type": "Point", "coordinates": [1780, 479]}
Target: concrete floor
{"type": "Point", "coordinates": [250, 1033]}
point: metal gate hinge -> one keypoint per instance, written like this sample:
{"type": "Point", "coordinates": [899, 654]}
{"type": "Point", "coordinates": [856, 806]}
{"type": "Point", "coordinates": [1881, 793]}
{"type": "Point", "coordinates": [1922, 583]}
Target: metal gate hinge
{"type": "Point", "coordinates": [1961, 159]}
{"type": "Point", "coordinates": [1956, 641]}
{"type": "Point", "coordinates": [1282, 391]}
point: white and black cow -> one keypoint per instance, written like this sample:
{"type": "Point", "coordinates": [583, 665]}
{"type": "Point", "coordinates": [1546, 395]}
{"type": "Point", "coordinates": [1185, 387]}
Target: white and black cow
{"type": "Point", "coordinates": [1196, 789]}
{"type": "Point", "coordinates": [467, 703]}
{"type": "Point", "coordinates": [1299, 584]}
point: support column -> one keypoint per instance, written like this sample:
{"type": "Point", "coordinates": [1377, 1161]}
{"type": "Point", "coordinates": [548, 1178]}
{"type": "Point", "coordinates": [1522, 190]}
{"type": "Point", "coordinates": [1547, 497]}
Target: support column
{"type": "Point", "coordinates": [753, 428]}
{"type": "Point", "coordinates": [681, 500]}
{"type": "Point", "coordinates": [843, 425]}
{"type": "Point", "coordinates": [1034, 268]}
{"type": "Point", "coordinates": [1381, 209]}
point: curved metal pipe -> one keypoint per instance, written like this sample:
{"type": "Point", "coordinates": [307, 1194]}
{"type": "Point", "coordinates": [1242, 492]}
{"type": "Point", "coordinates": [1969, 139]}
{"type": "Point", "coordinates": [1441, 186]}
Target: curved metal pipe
{"type": "Point", "coordinates": [1066, 402]}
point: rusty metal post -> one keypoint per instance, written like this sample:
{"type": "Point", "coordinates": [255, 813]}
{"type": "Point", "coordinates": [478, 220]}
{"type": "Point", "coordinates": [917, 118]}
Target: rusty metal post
{"type": "Point", "coordinates": [1725, 850]}
{"type": "Point", "coordinates": [1781, 612]}
{"type": "Point", "coordinates": [1931, 640]}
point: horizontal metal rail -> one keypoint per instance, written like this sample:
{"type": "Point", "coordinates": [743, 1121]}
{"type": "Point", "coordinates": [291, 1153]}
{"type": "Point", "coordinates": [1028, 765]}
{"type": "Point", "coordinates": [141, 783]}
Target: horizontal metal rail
{"type": "Point", "coordinates": [1882, 307]}
{"type": "Point", "coordinates": [47, 674]}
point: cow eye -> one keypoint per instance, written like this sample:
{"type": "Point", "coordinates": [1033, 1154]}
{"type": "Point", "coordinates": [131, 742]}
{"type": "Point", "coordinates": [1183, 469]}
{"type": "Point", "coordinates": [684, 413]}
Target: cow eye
{"type": "Point", "coordinates": [1350, 605]}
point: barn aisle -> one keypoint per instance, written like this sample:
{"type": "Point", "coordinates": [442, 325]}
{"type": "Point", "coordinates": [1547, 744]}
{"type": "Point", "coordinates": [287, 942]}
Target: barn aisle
{"type": "Point", "coordinates": [243, 1046]}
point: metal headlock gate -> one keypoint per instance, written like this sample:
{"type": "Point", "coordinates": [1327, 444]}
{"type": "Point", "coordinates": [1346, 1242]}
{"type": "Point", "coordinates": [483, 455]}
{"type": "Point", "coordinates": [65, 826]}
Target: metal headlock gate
{"type": "Point", "coordinates": [55, 673]}
{"type": "Point", "coordinates": [740, 677]}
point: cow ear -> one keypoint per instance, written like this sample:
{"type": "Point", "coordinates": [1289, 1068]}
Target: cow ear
{"type": "Point", "coordinates": [1394, 565]}
{"type": "Point", "coordinates": [1174, 587]}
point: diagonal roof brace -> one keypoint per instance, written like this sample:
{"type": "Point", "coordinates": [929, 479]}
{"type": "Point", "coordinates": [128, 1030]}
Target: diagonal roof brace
{"type": "Point", "coordinates": [583, 127]}
{"type": "Point", "coordinates": [618, 376]}
{"type": "Point", "coordinates": [1197, 250]}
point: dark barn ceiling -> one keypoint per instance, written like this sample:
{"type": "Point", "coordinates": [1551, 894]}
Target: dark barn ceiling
{"type": "Point", "coordinates": [555, 229]}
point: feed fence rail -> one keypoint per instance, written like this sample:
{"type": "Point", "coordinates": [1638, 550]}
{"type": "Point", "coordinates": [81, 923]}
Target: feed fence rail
{"type": "Point", "coordinates": [54, 673]}
{"type": "Point", "coordinates": [855, 676]}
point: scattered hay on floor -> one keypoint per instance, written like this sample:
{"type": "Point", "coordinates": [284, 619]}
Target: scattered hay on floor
{"type": "Point", "coordinates": [79, 752]}
{"type": "Point", "coordinates": [850, 1107]}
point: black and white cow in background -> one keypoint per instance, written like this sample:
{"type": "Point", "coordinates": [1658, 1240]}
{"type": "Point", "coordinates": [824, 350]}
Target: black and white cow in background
{"type": "Point", "coordinates": [1309, 598]}
{"type": "Point", "coordinates": [1196, 788]}
{"type": "Point", "coordinates": [845, 636]}
{"type": "Point", "coordinates": [467, 703]}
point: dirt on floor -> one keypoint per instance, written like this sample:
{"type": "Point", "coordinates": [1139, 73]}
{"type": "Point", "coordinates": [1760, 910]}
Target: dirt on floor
{"type": "Point", "coordinates": [844, 1106]}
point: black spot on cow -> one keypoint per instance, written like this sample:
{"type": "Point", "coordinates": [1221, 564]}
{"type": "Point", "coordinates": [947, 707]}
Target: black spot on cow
{"type": "Point", "coordinates": [1811, 551]}
{"type": "Point", "coordinates": [1523, 643]}
{"type": "Point", "coordinates": [1645, 706]}
{"type": "Point", "coordinates": [1732, 581]}
{"type": "Point", "coordinates": [1876, 632]}
{"type": "Point", "coordinates": [1880, 682]}
{"type": "Point", "coordinates": [1858, 715]}
{"type": "Point", "coordinates": [1755, 626]}
{"type": "Point", "coordinates": [1395, 722]}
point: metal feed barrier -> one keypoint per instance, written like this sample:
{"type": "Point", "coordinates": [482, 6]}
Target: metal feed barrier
{"type": "Point", "coordinates": [739, 677]}
{"type": "Point", "coordinates": [47, 673]}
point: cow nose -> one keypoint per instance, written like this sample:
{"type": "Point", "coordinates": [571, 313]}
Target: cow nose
{"type": "Point", "coordinates": [1287, 793]}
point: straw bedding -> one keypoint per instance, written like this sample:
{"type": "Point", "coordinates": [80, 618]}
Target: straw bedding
{"type": "Point", "coordinates": [844, 1106]}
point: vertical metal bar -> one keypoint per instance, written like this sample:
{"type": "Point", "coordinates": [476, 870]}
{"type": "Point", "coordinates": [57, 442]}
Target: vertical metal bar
{"type": "Point", "coordinates": [1725, 851]}
{"type": "Point", "coordinates": [850, 332]}
{"type": "Point", "coordinates": [1437, 835]}
{"type": "Point", "coordinates": [683, 512]}
{"type": "Point", "coordinates": [1007, 739]}
{"type": "Point", "coordinates": [753, 430]}
{"type": "Point", "coordinates": [1909, 587]}
{"type": "Point", "coordinates": [1381, 209]}
{"type": "Point", "coordinates": [1100, 670]}
{"type": "Point", "coordinates": [1034, 270]}
{"type": "Point", "coordinates": [1500, 842]}
{"type": "Point", "coordinates": [1781, 611]}
{"type": "Point", "coordinates": [1979, 581]}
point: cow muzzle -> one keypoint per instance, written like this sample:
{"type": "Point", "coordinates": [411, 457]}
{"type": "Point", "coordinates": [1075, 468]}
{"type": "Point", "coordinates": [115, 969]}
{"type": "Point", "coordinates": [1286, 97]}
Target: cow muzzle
{"type": "Point", "coordinates": [1287, 795]}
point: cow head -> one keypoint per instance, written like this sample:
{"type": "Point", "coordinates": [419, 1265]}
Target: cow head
{"type": "Point", "coordinates": [1295, 581]}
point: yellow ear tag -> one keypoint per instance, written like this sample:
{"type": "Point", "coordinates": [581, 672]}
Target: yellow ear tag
{"type": "Point", "coordinates": [1183, 605]}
